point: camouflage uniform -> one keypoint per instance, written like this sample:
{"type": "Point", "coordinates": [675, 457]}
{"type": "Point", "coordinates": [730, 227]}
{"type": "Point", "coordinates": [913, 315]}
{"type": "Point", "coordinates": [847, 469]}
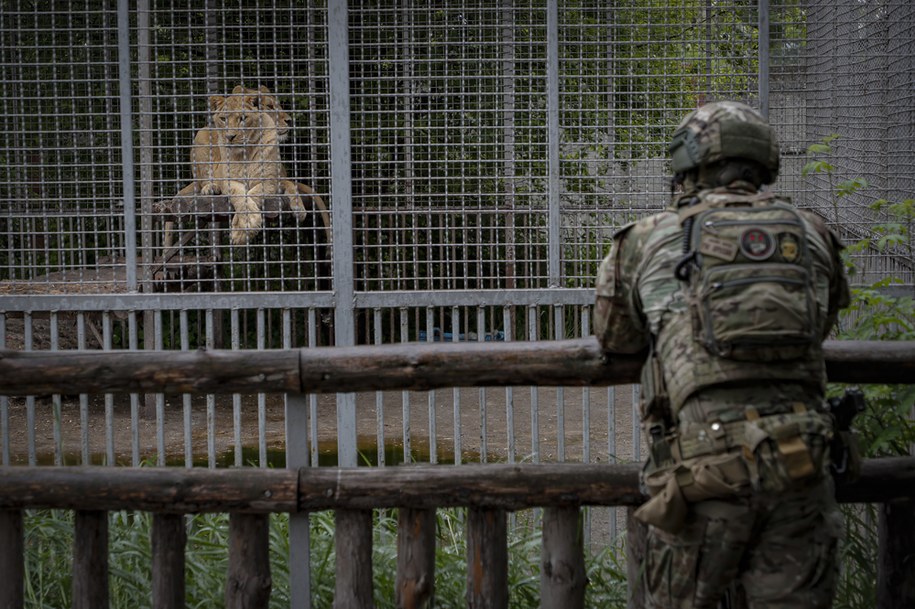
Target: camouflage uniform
{"type": "Point", "coordinates": [738, 466]}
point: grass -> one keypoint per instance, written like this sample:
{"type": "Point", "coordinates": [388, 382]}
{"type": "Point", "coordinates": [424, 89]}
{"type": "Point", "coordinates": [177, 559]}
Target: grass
{"type": "Point", "coordinates": [49, 538]}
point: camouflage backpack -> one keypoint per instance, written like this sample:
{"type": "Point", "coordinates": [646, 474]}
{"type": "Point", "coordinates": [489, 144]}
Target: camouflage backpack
{"type": "Point", "coordinates": [749, 276]}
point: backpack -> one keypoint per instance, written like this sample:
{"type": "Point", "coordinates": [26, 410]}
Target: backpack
{"type": "Point", "coordinates": [749, 278]}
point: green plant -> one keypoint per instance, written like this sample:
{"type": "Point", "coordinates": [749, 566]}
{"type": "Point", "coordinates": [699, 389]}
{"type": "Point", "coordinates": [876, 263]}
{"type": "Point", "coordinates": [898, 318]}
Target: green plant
{"type": "Point", "coordinates": [49, 543]}
{"type": "Point", "coordinates": [886, 428]}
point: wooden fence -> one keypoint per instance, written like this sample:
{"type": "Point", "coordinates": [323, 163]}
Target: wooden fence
{"type": "Point", "coordinates": [489, 492]}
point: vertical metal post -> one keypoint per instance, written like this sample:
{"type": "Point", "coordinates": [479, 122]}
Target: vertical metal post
{"type": "Point", "coordinates": [456, 392]}
{"type": "Point", "coordinates": [297, 457]}
{"type": "Point", "coordinates": [342, 209]}
{"type": "Point", "coordinates": [508, 135]}
{"type": "Point", "coordinates": [379, 396]}
{"type": "Point", "coordinates": [764, 58]}
{"type": "Point", "coordinates": [144, 103]}
{"type": "Point", "coordinates": [553, 136]}
{"type": "Point", "coordinates": [130, 224]}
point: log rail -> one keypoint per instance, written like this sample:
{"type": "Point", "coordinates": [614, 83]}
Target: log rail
{"type": "Point", "coordinates": [488, 492]}
{"type": "Point", "coordinates": [412, 366]}
{"type": "Point", "coordinates": [250, 495]}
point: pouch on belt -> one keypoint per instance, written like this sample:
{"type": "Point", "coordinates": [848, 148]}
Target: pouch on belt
{"type": "Point", "coordinates": [699, 479]}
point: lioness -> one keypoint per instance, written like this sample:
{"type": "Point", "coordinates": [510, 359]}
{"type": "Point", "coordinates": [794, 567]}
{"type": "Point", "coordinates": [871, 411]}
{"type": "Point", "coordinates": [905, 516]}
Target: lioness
{"type": "Point", "coordinates": [239, 157]}
{"type": "Point", "coordinates": [205, 150]}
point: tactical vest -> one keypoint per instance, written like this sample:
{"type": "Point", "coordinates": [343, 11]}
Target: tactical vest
{"type": "Point", "coordinates": [749, 285]}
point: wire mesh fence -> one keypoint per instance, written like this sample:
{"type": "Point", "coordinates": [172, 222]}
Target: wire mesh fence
{"type": "Point", "coordinates": [489, 152]}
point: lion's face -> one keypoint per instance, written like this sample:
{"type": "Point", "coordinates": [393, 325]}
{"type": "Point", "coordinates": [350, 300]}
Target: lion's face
{"type": "Point", "coordinates": [267, 102]}
{"type": "Point", "coordinates": [271, 106]}
{"type": "Point", "coordinates": [237, 119]}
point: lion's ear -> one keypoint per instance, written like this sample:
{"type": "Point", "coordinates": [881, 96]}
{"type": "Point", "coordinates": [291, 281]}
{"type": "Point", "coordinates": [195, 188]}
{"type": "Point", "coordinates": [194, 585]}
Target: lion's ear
{"type": "Point", "coordinates": [238, 89]}
{"type": "Point", "coordinates": [216, 103]}
{"type": "Point", "coordinates": [263, 89]}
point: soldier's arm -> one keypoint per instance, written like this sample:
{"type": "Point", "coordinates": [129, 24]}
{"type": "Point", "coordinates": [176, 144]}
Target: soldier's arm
{"type": "Point", "coordinates": [839, 293]}
{"type": "Point", "coordinates": [831, 261]}
{"type": "Point", "coordinates": [618, 324]}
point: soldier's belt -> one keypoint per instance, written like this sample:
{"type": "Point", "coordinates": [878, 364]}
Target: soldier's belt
{"type": "Point", "coordinates": [785, 430]}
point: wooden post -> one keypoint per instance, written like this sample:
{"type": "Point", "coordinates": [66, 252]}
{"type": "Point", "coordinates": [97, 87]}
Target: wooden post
{"type": "Point", "coordinates": [562, 577]}
{"type": "Point", "coordinates": [90, 560]}
{"type": "Point", "coordinates": [415, 558]}
{"type": "Point", "coordinates": [248, 583]}
{"type": "Point", "coordinates": [487, 559]}
{"type": "Point", "coordinates": [169, 538]}
{"type": "Point", "coordinates": [12, 560]}
{"type": "Point", "coordinates": [636, 536]}
{"type": "Point", "coordinates": [354, 560]}
{"type": "Point", "coordinates": [896, 547]}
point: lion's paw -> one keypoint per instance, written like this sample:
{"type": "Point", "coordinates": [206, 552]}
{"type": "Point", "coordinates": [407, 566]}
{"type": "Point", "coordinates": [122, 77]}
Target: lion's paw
{"type": "Point", "coordinates": [210, 188]}
{"type": "Point", "coordinates": [245, 226]}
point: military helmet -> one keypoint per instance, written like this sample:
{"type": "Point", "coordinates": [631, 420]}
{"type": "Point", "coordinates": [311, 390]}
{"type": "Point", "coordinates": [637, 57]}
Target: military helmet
{"type": "Point", "coordinates": [723, 130]}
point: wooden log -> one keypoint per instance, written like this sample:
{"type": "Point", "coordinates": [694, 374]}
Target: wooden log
{"type": "Point", "coordinates": [379, 367]}
{"type": "Point", "coordinates": [429, 366]}
{"type": "Point", "coordinates": [248, 581]}
{"type": "Point", "coordinates": [200, 371]}
{"type": "Point", "coordinates": [415, 583]}
{"type": "Point", "coordinates": [896, 555]}
{"type": "Point", "coordinates": [873, 361]}
{"type": "Point", "coordinates": [90, 560]}
{"type": "Point", "coordinates": [881, 480]}
{"type": "Point", "coordinates": [167, 489]}
{"type": "Point", "coordinates": [12, 560]}
{"type": "Point", "coordinates": [188, 203]}
{"type": "Point", "coordinates": [353, 542]}
{"type": "Point", "coordinates": [487, 559]}
{"type": "Point", "coordinates": [562, 576]}
{"type": "Point", "coordinates": [168, 540]}
{"type": "Point", "coordinates": [504, 486]}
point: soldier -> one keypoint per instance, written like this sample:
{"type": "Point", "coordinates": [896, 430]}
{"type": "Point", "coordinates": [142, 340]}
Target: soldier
{"type": "Point", "coordinates": [731, 291]}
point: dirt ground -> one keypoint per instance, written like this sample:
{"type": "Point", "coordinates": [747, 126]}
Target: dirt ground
{"type": "Point", "coordinates": [495, 426]}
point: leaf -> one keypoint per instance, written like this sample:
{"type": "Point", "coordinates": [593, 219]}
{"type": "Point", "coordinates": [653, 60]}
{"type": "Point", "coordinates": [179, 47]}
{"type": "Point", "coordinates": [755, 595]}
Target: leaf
{"type": "Point", "coordinates": [819, 149]}
{"type": "Point", "coordinates": [816, 167]}
{"type": "Point", "coordinates": [893, 239]}
{"type": "Point", "coordinates": [849, 186]}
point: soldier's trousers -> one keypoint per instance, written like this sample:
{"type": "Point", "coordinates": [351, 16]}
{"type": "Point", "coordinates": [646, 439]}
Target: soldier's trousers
{"type": "Point", "coordinates": [782, 548]}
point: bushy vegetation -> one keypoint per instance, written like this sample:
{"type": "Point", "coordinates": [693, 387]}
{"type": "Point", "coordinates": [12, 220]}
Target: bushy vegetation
{"type": "Point", "coordinates": [49, 537]}
{"type": "Point", "coordinates": [886, 428]}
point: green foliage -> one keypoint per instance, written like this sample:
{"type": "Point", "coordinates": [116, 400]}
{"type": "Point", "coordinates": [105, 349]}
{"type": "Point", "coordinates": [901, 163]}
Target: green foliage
{"type": "Point", "coordinates": [49, 539]}
{"type": "Point", "coordinates": [886, 428]}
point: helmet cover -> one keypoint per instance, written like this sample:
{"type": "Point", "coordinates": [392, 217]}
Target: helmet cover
{"type": "Point", "coordinates": [723, 130]}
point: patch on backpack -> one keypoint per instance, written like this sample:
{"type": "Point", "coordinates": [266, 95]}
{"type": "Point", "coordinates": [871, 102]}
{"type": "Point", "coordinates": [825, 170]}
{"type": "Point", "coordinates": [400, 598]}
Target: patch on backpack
{"type": "Point", "coordinates": [724, 249]}
{"type": "Point", "coordinates": [788, 247]}
{"type": "Point", "coordinates": [757, 244]}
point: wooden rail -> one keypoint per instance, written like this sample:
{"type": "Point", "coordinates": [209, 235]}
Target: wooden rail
{"type": "Point", "coordinates": [488, 492]}
{"type": "Point", "coordinates": [415, 366]}
{"type": "Point", "coordinates": [250, 495]}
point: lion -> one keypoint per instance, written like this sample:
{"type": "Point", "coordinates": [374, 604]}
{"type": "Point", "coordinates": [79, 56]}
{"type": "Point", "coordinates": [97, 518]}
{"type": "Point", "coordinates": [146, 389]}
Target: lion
{"type": "Point", "coordinates": [206, 154]}
{"type": "Point", "coordinates": [239, 157]}
{"type": "Point", "coordinates": [206, 151]}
